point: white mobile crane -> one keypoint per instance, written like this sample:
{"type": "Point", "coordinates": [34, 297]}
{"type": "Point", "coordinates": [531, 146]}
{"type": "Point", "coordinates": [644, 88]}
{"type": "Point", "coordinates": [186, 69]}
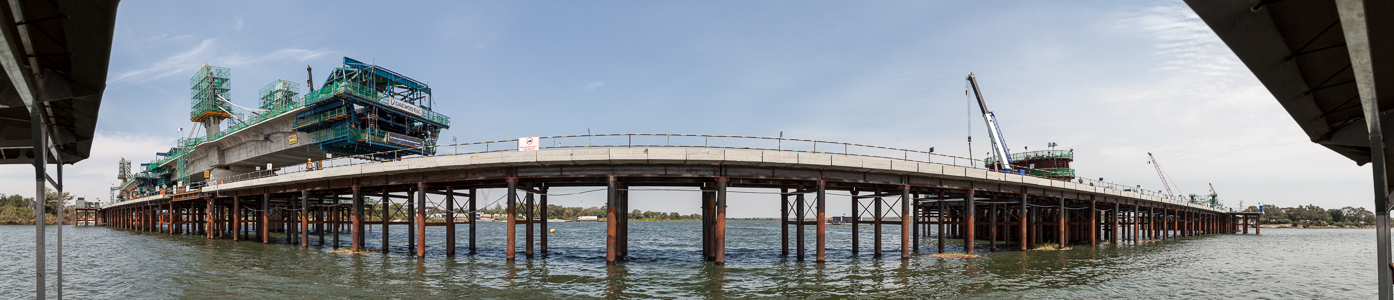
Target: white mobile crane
{"type": "Point", "coordinates": [999, 143]}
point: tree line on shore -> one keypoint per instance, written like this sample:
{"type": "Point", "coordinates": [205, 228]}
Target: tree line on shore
{"type": "Point", "coordinates": [19, 210]}
{"type": "Point", "coordinates": [1312, 215]}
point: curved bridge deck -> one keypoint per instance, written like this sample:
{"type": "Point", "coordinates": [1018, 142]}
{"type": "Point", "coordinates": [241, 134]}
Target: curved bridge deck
{"type": "Point", "coordinates": [955, 201]}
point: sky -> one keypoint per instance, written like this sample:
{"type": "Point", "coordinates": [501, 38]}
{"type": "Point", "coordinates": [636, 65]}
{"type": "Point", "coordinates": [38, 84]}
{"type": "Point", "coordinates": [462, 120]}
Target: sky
{"type": "Point", "coordinates": [1112, 80]}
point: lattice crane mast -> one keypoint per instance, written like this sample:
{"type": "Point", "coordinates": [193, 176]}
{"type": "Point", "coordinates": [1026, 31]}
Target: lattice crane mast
{"type": "Point", "coordinates": [999, 143]}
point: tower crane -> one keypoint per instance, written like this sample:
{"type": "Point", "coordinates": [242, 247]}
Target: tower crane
{"type": "Point", "coordinates": [999, 143]}
{"type": "Point", "coordinates": [1162, 175]}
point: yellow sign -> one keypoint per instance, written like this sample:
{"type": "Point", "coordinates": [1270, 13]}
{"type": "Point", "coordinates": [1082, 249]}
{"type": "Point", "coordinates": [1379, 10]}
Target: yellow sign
{"type": "Point", "coordinates": [205, 174]}
{"type": "Point", "coordinates": [292, 139]}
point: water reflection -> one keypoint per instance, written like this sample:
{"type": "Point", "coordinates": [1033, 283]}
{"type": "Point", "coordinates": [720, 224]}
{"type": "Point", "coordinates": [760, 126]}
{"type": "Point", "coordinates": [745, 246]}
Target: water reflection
{"type": "Point", "coordinates": [665, 263]}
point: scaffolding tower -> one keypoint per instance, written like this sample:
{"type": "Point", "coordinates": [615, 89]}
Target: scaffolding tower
{"type": "Point", "coordinates": [279, 93]}
{"type": "Point", "coordinates": [124, 170]}
{"type": "Point", "coordinates": [209, 90]}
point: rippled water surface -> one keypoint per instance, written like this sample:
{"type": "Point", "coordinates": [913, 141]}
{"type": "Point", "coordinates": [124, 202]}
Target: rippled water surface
{"type": "Point", "coordinates": [106, 263]}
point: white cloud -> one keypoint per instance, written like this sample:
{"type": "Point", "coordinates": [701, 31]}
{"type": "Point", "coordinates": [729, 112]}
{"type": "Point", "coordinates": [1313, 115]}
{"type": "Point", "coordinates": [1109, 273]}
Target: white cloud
{"type": "Point", "coordinates": [206, 52]}
{"type": "Point", "coordinates": [169, 66]}
{"type": "Point", "coordinates": [592, 86]}
{"type": "Point", "coordinates": [238, 22]}
{"type": "Point", "coordinates": [92, 177]}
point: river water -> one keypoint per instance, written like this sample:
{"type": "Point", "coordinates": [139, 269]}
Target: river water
{"type": "Point", "coordinates": [106, 263]}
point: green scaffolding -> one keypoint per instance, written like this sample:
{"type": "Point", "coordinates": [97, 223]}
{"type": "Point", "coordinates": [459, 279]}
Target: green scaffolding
{"type": "Point", "coordinates": [205, 89]}
{"type": "Point", "coordinates": [1052, 172]}
{"type": "Point", "coordinates": [123, 171]}
{"type": "Point", "coordinates": [278, 93]}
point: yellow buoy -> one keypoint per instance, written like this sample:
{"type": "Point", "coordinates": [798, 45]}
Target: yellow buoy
{"type": "Point", "coordinates": [552, 231]}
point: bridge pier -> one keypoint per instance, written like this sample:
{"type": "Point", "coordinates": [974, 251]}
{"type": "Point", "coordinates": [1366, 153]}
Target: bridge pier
{"type": "Point", "coordinates": [856, 216]}
{"type": "Point", "coordinates": [357, 218]}
{"type": "Point", "coordinates": [511, 230]}
{"type": "Point", "coordinates": [304, 219]}
{"type": "Point", "coordinates": [542, 246]}
{"type": "Point", "coordinates": [450, 221]}
{"type": "Point", "coordinates": [799, 219]}
{"type": "Point", "coordinates": [473, 211]}
{"type": "Point", "coordinates": [265, 218]}
{"type": "Point", "coordinates": [822, 225]}
{"type": "Point", "coordinates": [969, 212]}
{"type": "Point", "coordinates": [918, 222]}
{"type": "Point", "coordinates": [940, 215]}
{"type": "Point", "coordinates": [784, 221]}
{"type": "Point", "coordinates": [1023, 223]}
{"type": "Point", "coordinates": [386, 219]}
{"type": "Point", "coordinates": [236, 219]}
{"type": "Point", "coordinates": [410, 214]}
{"type": "Point", "coordinates": [530, 207]}
{"type": "Point", "coordinates": [419, 218]}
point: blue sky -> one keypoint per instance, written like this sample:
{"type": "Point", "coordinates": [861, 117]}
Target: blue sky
{"type": "Point", "coordinates": [1113, 80]}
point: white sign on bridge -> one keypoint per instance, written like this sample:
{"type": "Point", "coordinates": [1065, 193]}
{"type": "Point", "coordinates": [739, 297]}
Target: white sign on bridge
{"type": "Point", "coordinates": [529, 143]}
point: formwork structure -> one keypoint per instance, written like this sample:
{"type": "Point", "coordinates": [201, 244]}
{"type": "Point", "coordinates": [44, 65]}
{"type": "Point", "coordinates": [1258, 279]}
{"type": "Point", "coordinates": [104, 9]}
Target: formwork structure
{"type": "Point", "coordinates": [364, 108]}
{"type": "Point", "coordinates": [1053, 164]}
{"type": "Point", "coordinates": [361, 109]}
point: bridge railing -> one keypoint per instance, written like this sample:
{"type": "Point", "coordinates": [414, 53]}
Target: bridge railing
{"type": "Point", "coordinates": [693, 141]}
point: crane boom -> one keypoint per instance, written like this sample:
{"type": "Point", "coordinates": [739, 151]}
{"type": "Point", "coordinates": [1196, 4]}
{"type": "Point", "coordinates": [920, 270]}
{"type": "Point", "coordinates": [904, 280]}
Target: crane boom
{"type": "Point", "coordinates": [999, 143]}
{"type": "Point", "coordinates": [1162, 174]}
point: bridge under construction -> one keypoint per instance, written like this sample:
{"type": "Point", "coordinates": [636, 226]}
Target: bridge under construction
{"type": "Point", "coordinates": [361, 151]}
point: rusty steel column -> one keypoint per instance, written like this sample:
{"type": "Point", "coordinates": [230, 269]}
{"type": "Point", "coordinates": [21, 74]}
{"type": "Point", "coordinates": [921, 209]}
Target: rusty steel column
{"type": "Point", "coordinates": [822, 226]}
{"type": "Point", "coordinates": [1136, 222]}
{"type": "Point", "coordinates": [410, 215]}
{"type": "Point", "coordinates": [209, 218]}
{"type": "Point", "coordinates": [1024, 239]}
{"type": "Point", "coordinates": [420, 219]}
{"type": "Point", "coordinates": [386, 219]}
{"type": "Point", "coordinates": [1258, 220]}
{"type": "Point", "coordinates": [784, 221]}
{"type": "Point", "coordinates": [915, 209]}
{"type": "Point", "coordinates": [720, 240]}
{"type": "Point", "coordinates": [904, 221]}
{"type": "Point", "coordinates": [1061, 238]}
{"type": "Point", "coordinates": [449, 221]}
{"type": "Point", "coordinates": [876, 222]}
{"type": "Point", "coordinates": [624, 220]}
{"type": "Point", "coordinates": [799, 219]}
{"type": "Point", "coordinates": [611, 220]}
{"type": "Point", "coordinates": [304, 219]}
{"type": "Point", "coordinates": [1093, 223]}
{"type": "Point", "coordinates": [236, 218]}
{"type": "Point", "coordinates": [542, 207]}
{"type": "Point", "coordinates": [856, 238]}
{"type": "Point", "coordinates": [1115, 214]}
{"type": "Point", "coordinates": [336, 218]}
{"type": "Point", "coordinates": [357, 219]}
{"type": "Point", "coordinates": [971, 224]}
{"type": "Point", "coordinates": [992, 227]}
{"type": "Point", "coordinates": [473, 219]}
{"type": "Point", "coordinates": [529, 210]}
{"type": "Point", "coordinates": [943, 216]}
{"type": "Point", "coordinates": [708, 196]}
{"type": "Point", "coordinates": [265, 218]}
{"type": "Point", "coordinates": [511, 232]}
{"type": "Point", "coordinates": [1245, 221]}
